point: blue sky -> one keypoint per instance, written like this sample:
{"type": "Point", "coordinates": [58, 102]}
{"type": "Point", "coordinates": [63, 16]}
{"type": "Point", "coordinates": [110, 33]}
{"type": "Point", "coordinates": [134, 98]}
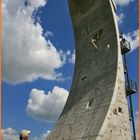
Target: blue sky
{"type": "Point", "coordinates": [38, 61]}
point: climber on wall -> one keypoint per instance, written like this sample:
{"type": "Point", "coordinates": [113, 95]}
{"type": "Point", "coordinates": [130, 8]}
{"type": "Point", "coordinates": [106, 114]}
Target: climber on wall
{"type": "Point", "coordinates": [24, 135]}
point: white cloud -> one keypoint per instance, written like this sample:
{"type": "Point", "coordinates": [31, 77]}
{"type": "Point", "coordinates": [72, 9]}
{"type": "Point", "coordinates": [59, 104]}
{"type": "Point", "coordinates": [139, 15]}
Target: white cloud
{"type": "Point", "coordinates": [37, 3]}
{"type": "Point", "coordinates": [123, 2]}
{"type": "Point", "coordinates": [72, 58]}
{"type": "Point", "coordinates": [42, 136]}
{"type": "Point", "coordinates": [65, 56]}
{"type": "Point", "coordinates": [49, 34]}
{"type": "Point", "coordinates": [46, 107]}
{"type": "Point", "coordinates": [9, 134]}
{"type": "Point", "coordinates": [26, 55]}
{"type": "Point", "coordinates": [133, 39]}
{"type": "Point", "coordinates": [12, 134]}
{"type": "Point", "coordinates": [120, 18]}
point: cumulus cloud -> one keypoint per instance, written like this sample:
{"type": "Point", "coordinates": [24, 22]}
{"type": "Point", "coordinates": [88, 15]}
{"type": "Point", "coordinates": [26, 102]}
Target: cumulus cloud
{"type": "Point", "coordinates": [12, 134]}
{"type": "Point", "coordinates": [46, 107]}
{"type": "Point", "coordinates": [49, 34]}
{"type": "Point", "coordinates": [72, 58]}
{"type": "Point", "coordinates": [9, 134]}
{"type": "Point", "coordinates": [42, 136]}
{"type": "Point", "coordinates": [123, 2]}
{"type": "Point", "coordinates": [26, 54]}
{"type": "Point", "coordinates": [36, 3]}
{"type": "Point", "coordinates": [133, 39]}
{"type": "Point", "coordinates": [120, 18]}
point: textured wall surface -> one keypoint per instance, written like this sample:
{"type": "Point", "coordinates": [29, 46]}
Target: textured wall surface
{"type": "Point", "coordinates": [96, 108]}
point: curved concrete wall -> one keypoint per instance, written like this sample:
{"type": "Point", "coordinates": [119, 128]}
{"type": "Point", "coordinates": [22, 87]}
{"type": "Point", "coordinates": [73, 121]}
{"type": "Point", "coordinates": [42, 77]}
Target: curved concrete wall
{"type": "Point", "coordinates": [96, 108]}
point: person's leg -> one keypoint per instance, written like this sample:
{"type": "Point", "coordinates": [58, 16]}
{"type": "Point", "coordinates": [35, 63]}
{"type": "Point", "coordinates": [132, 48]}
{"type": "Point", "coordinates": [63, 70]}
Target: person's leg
{"type": "Point", "coordinates": [20, 137]}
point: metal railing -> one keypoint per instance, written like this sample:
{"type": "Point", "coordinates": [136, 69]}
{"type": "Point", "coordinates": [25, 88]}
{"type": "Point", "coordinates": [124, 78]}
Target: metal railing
{"type": "Point", "coordinates": [131, 87]}
{"type": "Point", "coordinates": [125, 68]}
{"type": "Point", "coordinates": [125, 46]}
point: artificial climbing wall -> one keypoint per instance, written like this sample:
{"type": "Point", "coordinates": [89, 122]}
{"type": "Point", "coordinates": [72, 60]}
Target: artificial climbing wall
{"type": "Point", "coordinates": [96, 108]}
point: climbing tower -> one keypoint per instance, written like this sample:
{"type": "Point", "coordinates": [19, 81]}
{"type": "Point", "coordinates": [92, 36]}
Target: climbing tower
{"type": "Point", "coordinates": [97, 107]}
